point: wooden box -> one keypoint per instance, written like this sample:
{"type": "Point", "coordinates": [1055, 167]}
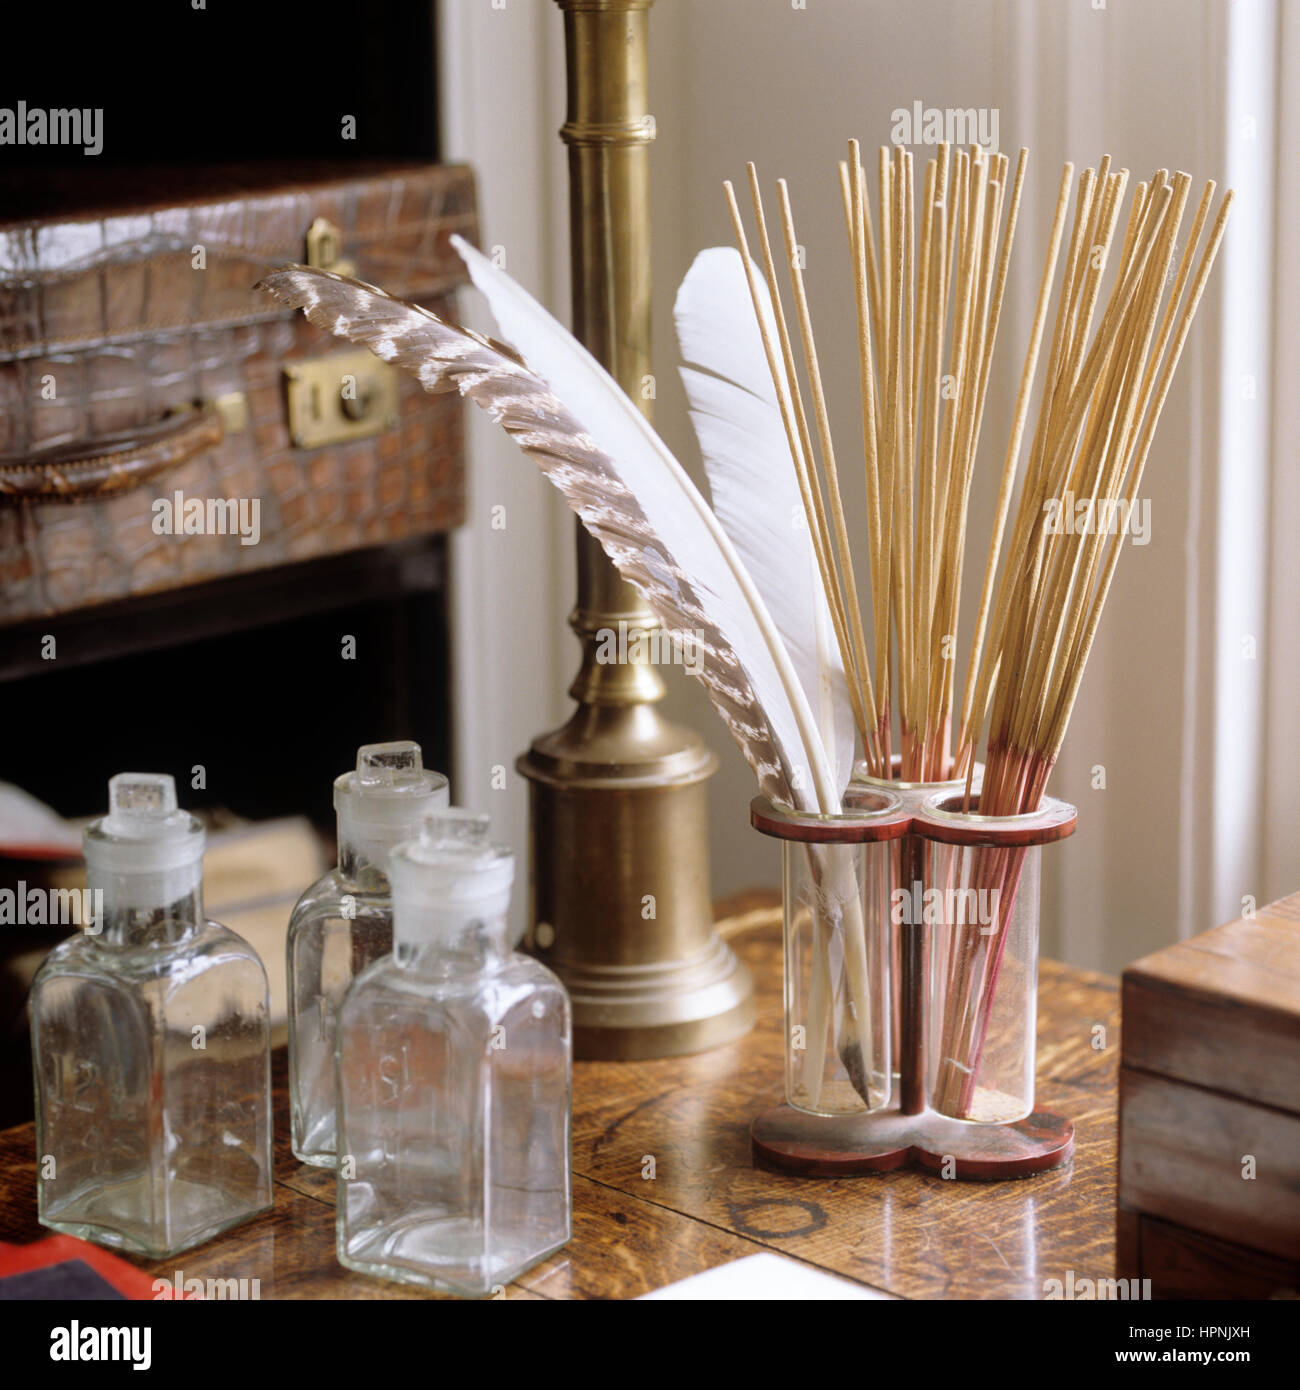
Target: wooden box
{"type": "Point", "coordinates": [1209, 1113]}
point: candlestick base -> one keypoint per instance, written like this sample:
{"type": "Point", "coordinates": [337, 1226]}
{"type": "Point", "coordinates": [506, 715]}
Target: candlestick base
{"type": "Point", "coordinates": [840, 1146]}
{"type": "Point", "coordinates": [619, 890]}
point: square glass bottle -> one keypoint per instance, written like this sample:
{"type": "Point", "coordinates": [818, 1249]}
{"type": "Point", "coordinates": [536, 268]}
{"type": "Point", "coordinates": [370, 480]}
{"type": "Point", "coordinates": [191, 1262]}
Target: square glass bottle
{"type": "Point", "coordinates": [344, 921]}
{"type": "Point", "coordinates": [150, 1046]}
{"type": "Point", "coordinates": [454, 1080]}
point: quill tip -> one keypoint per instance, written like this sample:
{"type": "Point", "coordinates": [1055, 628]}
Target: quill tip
{"type": "Point", "coordinates": [467, 251]}
{"type": "Point", "coordinates": [851, 1058]}
{"type": "Point", "coordinates": [285, 278]}
{"type": "Point", "coordinates": [281, 282]}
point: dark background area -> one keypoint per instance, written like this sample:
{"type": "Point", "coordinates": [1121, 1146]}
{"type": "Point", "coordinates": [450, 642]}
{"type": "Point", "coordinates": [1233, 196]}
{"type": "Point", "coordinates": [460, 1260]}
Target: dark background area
{"type": "Point", "coordinates": [243, 676]}
{"type": "Point", "coordinates": [235, 81]}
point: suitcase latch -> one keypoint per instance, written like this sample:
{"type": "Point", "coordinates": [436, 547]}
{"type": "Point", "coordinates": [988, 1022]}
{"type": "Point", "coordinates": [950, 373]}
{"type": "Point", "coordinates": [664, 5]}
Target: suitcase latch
{"type": "Point", "coordinates": [345, 396]}
{"type": "Point", "coordinates": [325, 248]}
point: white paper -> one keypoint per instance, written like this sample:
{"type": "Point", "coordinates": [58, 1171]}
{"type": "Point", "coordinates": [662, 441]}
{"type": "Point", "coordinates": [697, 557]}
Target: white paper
{"type": "Point", "coordinates": [766, 1276]}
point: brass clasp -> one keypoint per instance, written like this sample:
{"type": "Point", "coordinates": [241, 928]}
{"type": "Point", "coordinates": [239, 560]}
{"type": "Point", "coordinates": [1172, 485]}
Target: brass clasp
{"type": "Point", "coordinates": [325, 248]}
{"type": "Point", "coordinates": [347, 395]}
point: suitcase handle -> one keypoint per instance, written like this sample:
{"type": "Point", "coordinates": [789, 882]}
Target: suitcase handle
{"type": "Point", "coordinates": [114, 463]}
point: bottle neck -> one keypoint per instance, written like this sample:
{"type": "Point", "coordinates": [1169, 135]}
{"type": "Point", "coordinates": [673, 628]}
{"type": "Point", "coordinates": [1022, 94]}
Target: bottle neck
{"type": "Point", "coordinates": [449, 942]}
{"type": "Point", "coordinates": [131, 918]}
{"type": "Point", "coordinates": [362, 862]}
{"type": "Point", "coordinates": [364, 851]}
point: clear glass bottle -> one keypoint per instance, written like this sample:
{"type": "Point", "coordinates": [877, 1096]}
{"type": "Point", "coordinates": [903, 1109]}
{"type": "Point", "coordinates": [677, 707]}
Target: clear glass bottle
{"type": "Point", "coordinates": [454, 1076]}
{"type": "Point", "coordinates": [151, 1046]}
{"type": "Point", "coordinates": [344, 921]}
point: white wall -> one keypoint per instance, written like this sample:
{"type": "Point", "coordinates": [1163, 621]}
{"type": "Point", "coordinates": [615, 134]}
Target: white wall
{"type": "Point", "coordinates": [1180, 719]}
{"type": "Point", "coordinates": [1282, 732]}
{"type": "Point", "coordinates": [501, 87]}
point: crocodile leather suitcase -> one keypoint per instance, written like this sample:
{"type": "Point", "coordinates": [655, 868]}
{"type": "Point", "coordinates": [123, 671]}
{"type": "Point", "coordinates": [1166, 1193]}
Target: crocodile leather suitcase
{"type": "Point", "coordinates": [162, 424]}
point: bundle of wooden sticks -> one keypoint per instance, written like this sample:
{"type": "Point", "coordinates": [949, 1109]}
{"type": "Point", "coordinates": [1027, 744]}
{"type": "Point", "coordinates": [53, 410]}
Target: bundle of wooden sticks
{"type": "Point", "coordinates": [928, 287]}
{"type": "Point", "coordinates": [928, 310]}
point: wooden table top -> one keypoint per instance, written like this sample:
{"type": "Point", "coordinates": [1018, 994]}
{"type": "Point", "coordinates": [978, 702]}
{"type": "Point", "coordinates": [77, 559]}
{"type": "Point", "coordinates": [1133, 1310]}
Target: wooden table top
{"type": "Point", "coordinates": [904, 1233]}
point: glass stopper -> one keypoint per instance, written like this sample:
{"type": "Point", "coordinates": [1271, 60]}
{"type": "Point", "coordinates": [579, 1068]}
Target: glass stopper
{"type": "Point", "coordinates": [384, 765]}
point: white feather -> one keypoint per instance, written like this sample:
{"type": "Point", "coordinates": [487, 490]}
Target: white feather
{"type": "Point", "coordinates": [737, 419]}
{"type": "Point", "coordinates": [679, 514]}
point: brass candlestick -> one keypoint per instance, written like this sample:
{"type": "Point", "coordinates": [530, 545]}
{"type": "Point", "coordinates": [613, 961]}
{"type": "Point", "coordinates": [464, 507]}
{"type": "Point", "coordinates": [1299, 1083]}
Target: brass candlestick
{"type": "Point", "coordinates": [619, 897]}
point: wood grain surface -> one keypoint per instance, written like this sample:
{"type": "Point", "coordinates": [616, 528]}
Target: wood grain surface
{"type": "Point", "coordinates": [1209, 1084]}
{"type": "Point", "coordinates": [1222, 1010]}
{"type": "Point", "coordinates": [664, 1185]}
